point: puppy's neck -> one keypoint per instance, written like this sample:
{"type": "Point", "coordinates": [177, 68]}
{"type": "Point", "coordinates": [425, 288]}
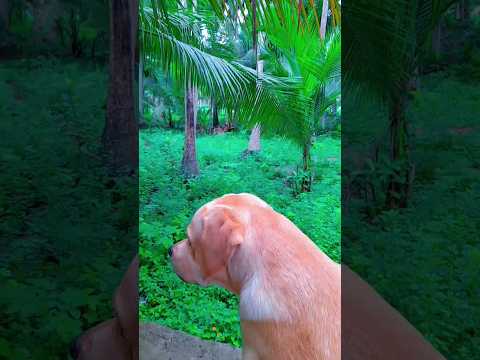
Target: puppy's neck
{"type": "Point", "coordinates": [259, 303]}
{"type": "Point", "coordinates": [276, 284]}
{"type": "Point", "coordinates": [258, 299]}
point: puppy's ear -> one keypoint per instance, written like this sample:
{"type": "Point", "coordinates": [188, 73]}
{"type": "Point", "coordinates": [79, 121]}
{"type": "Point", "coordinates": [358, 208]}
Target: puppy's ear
{"type": "Point", "coordinates": [228, 223]}
{"type": "Point", "coordinates": [223, 230]}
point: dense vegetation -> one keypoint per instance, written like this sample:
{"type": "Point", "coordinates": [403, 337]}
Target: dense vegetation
{"type": "Point", "coordinates": [72, 249]}
{"type": "Point", "coordinates": [425, 259]}
{"type": "Point", "coordinates": [167, 204]}
{"type": "Point", "coordinates": [68, 226]}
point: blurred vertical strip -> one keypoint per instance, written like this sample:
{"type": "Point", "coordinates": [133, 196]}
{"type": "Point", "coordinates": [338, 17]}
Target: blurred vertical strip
{"type": "Point", "coordinates": [410, 144]}
{"type": "Point", "coordinates": [68, 213]}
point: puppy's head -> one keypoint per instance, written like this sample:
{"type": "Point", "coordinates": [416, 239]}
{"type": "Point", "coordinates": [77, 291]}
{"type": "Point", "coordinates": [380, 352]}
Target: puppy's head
{"type": "Point", "coordinates": [116, 338]}
{"type": "Point", "coordinates": [213, 237]}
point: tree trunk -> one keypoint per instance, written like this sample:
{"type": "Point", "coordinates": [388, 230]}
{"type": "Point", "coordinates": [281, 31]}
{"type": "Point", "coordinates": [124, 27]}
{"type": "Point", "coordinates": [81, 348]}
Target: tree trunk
{"type": "Point", "coordinates": [462, 10]}
{"type": "Point", "coordinates": [189, 160]}
{"type": "Point", "coordinates": [233, 118]}
{"type": "Point", "coordinates": [307, 177]}
{"type": "Point", "coordinates": [414, 82]}
{"type": "Point", "coordinates": [254, 141]}
{"type": "Point", "coordinates": [215, 122]}
{"type": "Point", "coordinates": [399, 182]}
{"type": "Point", "coordinates": [437, 40]}
{"type": "Point", "coordinates": [323, 20]}
{"type": "Point", "coordinates": [4, 12]}
{"type": "Point", "coordinates": [120, 136]}
{"type": "Point", "coordinates": [170, 119]}
{"type": "Point", "coordinates": [466, 10]}
{"type": "Point", "coordinates": [140, 87]}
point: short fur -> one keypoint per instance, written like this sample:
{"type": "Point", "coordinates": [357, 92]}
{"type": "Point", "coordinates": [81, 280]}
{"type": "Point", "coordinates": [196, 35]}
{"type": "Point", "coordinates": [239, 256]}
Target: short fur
{"type": "Point", "coordinates": [289, 290]}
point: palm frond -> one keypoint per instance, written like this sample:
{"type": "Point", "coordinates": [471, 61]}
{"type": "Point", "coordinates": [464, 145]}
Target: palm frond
{"type": "Point", "coordinates": [382, 40]}
{"type": "Point", "coordinates": [233, 84]}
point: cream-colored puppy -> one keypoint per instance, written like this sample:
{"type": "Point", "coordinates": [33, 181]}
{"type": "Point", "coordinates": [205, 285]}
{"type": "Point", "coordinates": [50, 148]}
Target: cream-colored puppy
{"type": "Point", "coordinates": [290, 303]}
{"type": "Point", "coordinates": [289, 290]}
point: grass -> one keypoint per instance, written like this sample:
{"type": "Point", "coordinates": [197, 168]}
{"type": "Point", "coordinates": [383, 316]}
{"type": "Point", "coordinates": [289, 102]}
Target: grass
{"type": "Point", "coordinates": [167, 205]}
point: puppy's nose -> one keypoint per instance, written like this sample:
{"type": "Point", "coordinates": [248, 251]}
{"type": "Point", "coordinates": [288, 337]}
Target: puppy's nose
{"type": "Point", "coordinates": [74, 350]}
{"type": "Point", "coordinates": [170, 251]}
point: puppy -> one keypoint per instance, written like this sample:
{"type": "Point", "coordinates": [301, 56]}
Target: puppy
{"type": "Point", "coordinates": [117, 338]}
{"type": "Point", "coordinates": [290, 291]}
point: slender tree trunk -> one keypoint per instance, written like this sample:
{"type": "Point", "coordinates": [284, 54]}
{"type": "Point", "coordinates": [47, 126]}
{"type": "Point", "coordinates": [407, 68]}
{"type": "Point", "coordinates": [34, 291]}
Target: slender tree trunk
{"type": "Point", "coordinates": [466, 10]}
{"type": "Point", "coordinates": [140, 87]}
{"type": "Point", "coordinates": [462, 10]}
{"type": "Point", "coordinates": [414, 83]}
{"type": "Point", "coordinates": [215, 122]}
{"type": "Point", "coordinates": [233, 118]}
{"type": "Point", "coordinates": [189, 161]}
{"type": "Point", "coordinates": [4, 12]}
{"type": "Point", "coordinates": [307, 178]}
{"type": "Point", "coordinates": [170, 119]}
{"type": "Point", "coordinates": [437, 40]}
{"type": "Point", "coordinates": [334, 111]}
{"type": "Point", "coordinates": [398, 185]}
{"type": "Point", "coordinates": [254, 141]}
{"type": "Point", "coordinates": [323, 20]}
{"type": "Point", "coordinates": [120, 136]}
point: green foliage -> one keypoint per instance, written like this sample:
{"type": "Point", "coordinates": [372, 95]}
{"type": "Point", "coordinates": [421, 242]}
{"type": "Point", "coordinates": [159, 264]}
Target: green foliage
{"type": "Point", "coordinates": [432, 247]}
{"type": "Point", "coordinates": [204, 117]}
{"type": "Point", "coordinates": [167, 205]}
{"type": "Point", "coordinates": [69, 245]}
{"type": "Point", "coordinates": [299, 53]}
{"type": "Point", "coordinates": [64, 27]}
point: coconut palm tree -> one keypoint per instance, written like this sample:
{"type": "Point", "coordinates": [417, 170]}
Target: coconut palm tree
{"type": "Point", "coordinates": [119, 137]}
{"type": "Point", "coordinates": [299, 53]}
{"type": "Point", "coordinates": [389, 36]}
{"type": "Point", "coordinates": [177, 43]}
{"type": "Point", "coordinates": [289, 100]}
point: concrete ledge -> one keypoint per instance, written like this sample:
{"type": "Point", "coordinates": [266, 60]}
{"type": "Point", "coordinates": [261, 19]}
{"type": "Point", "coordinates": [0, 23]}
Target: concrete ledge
{"type": "Point", "coordinates": [161, 343]}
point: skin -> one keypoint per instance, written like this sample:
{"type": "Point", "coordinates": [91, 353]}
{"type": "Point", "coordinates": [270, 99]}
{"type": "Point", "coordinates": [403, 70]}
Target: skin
{"type": "Point", "coordinates": [116, 338]}
{"type": "Point", "coordinates": [290, 291]}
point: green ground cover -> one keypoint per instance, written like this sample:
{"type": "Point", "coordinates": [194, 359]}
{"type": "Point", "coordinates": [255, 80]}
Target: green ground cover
{"type": "Point", "coordinates": [63, 228]}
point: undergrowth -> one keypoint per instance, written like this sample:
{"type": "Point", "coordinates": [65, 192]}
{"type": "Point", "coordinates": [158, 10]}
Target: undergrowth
{"type": "Point", "coordinates": [425, 260]}
{"type": "Point", "coordinates": [64, 228]}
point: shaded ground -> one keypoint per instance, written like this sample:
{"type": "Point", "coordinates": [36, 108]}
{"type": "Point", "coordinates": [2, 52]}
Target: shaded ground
{"type": "Point", "coordinates": [158, 342]}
